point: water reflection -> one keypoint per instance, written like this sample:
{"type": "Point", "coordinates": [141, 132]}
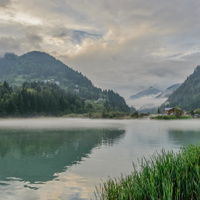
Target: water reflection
{"type": "Point", "coordinates": [36, 156]}
{"type": "Point", "coordinates": [65, 158]}
{"type": "Point", "coordinates": [180, 137]}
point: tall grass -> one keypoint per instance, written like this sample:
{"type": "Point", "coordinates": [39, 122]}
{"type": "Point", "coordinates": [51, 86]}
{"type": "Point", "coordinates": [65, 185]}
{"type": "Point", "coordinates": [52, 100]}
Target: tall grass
{"type": "Point", "coordinates": [166, 176]}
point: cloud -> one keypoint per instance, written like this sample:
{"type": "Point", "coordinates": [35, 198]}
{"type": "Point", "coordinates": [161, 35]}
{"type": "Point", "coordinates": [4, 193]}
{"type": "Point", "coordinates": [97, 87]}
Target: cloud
{"type": "Point", "coordinates": [75, 36]}
{"type": "Point", "coordinates": [123, 45]}
{"type": "Point", "coordinates": [4, 3]}
{"type": "Point", "coordinates": [34, 40]}
{"type": "Point", "coordinates": [9, 44]}
{"type": "Point", "coordinates": [20, 45]}
{"type": "Point", "coordinates": [146, 102]}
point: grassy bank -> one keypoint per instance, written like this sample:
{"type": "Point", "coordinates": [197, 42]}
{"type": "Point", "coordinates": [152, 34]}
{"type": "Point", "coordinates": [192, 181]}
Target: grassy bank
{"type": "Point", "coordinates": [94, 115]}
{"type": "Point", "coordinates": [171, 117]}
{"type": "Point", "coordinates": [107, 115]}
{"type": "Point", "coordinates": [167, 176]}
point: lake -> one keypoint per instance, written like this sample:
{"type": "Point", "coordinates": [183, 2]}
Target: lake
{"type": "Point", "coordinates": [58, 158]}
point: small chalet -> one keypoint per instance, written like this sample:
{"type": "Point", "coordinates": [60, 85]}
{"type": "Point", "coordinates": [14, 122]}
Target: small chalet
{"type": "Point", "coordinates": [169, 111]}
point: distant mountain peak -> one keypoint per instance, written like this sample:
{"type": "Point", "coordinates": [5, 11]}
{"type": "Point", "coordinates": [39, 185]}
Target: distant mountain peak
{"type": "Point", "coordinates": [151, 98]}
{"type": "Point", "coordinates": [39, 55]}
{"type": "Point", "coordinates": [169, 91]}
{"type": "Point", "coordinates": [147, 92]}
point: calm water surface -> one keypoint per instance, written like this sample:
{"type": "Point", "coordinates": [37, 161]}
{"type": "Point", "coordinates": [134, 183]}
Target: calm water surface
{"type": "Point", "coordinates": [56, 158]}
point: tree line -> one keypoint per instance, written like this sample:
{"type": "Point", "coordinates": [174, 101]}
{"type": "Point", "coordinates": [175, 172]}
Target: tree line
{"type": "Point", "coordinates": [38, 98]}
{"type": "Point", "coordinates": [48, 99]}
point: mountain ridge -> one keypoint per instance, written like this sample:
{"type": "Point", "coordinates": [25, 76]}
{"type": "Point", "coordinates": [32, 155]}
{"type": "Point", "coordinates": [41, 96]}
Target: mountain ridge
{"type": "Point", "coordinates": [147, 92]}
{"type": "Point", "coordinates": [166, 93]}
{"type": "Point", "coordinates": [188, 94]}
{"type": "Point", "coordinates": [150, 101]}
{"type": "Point", "coordinates": [40, 66]}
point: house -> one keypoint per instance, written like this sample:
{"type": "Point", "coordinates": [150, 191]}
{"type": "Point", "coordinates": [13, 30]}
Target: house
{"type": "Point", "coordinates": [76, 91]}
{"type": "Point", "coordinates": [100, 100]}
{"type": "Point", "coordinates": [169, 111]}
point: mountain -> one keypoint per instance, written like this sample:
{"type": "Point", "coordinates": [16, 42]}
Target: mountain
{"type": "Point", "coordinates": [188, 94]}
{"type": "Point", "coordinates": [169, 91]}
{"type": "Point", "coordinates": [150, 99]}
{"type": "Point", "coordinates": [41, 67]}
{"type": "Point", "coordinates": [147, 92]}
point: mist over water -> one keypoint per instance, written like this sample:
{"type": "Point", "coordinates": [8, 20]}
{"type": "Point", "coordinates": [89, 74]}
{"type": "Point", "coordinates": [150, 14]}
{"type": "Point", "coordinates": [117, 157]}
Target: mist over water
{"type": "Point", "coordinates": [55, 123]}
{"type": "Point", "coordinates": [59, 158]}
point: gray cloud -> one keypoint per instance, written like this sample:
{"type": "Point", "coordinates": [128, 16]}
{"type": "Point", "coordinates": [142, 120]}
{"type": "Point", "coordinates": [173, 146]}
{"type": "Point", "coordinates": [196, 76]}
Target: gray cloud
{"type": "Point", "coordinates": [76, 36]}
{"type": "Point", "coordinates": [9, 44]}
{"type": "Point", "coordinates": [123, 45]}
{"type": "Point", "coordinates": [33, 40]}
{"type": "Point", "coordinates": [4, 3]}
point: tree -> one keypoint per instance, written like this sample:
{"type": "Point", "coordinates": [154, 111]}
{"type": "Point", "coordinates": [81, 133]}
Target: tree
{"type": "Point", "coordinates": [5, 84]}
{"type": "Point", "coordinates": [20, 104]}
{"type": "Point", "coordinates": [178, 112]}
{"type": "Point", "coordinates": [192, 113]}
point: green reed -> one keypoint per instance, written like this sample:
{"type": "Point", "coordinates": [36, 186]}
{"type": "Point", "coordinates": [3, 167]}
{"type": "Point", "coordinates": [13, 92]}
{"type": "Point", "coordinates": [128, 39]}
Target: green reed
{"type": "Point", "coordinates": [166, 176]}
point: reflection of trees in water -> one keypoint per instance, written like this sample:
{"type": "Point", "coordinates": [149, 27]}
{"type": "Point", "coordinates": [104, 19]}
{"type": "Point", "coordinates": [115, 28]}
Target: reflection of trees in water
{"type": "Point", "coordinates": [184, 137]}
{"type": "Point", "coordinates": [37, 155]}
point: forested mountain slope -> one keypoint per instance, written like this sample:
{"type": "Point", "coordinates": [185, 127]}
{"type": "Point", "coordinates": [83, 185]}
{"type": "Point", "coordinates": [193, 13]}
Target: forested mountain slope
{"type": "Point", "coordinates": [39, 98]}
{"type": "Point", "coordinates": [41, 67]}
{"type": "Point", "coordinates": [188, 94]}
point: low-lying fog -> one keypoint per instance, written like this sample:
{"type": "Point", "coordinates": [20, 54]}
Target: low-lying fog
{"type": "Point", "coordinates": [57, 123]}
{"type": "Point", "coordinates": [79, 123]}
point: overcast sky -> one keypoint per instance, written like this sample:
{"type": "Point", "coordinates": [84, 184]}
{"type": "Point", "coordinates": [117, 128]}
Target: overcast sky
{"type": "Point", "coordinates": [124, 45]}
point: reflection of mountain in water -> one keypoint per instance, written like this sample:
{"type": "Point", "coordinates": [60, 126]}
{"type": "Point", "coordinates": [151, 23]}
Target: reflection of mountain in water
{"type": "Point", "coordinates": [184, 137]}
{"type": "Point", "coordinates": [35, 156]}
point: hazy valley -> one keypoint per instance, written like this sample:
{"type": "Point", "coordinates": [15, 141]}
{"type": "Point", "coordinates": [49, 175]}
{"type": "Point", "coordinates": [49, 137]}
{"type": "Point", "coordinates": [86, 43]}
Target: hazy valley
{"type": "Point", "coordinates": [150, 99]}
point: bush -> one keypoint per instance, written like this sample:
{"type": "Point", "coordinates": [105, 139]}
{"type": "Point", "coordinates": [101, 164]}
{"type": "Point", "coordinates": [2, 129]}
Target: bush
{"type": "Point", "coordinates": [168, 175]}
{"type": "Point", "coordinates": [178, 112]}
{"type": "Point", "coordinates": [165, 117]}
{"type": "Point", "coordinates": [135, 115]}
